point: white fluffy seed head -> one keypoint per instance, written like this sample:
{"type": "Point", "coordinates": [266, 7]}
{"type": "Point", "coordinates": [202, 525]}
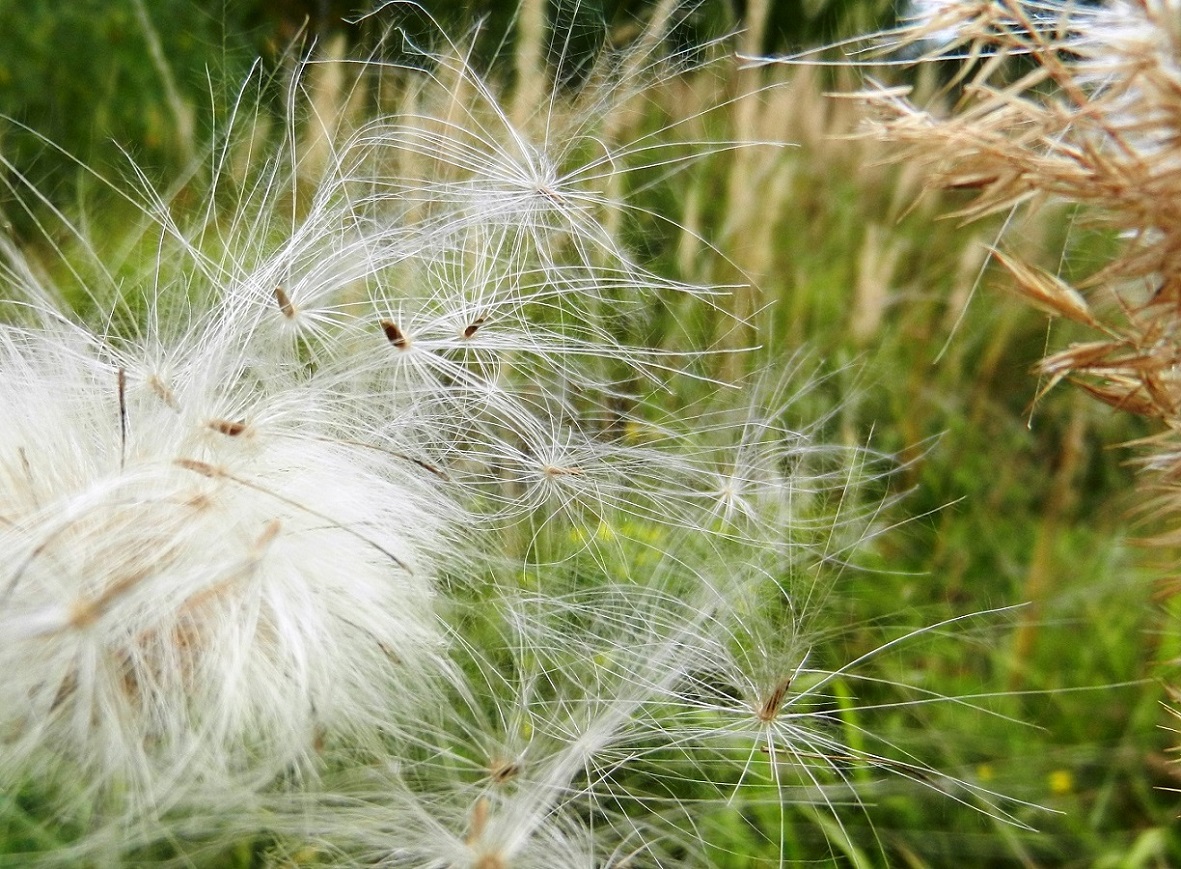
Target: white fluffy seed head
{"type": "Point", "coordinates": [224, 524]}
{"type": "Point", "coordinates": [197, 584]}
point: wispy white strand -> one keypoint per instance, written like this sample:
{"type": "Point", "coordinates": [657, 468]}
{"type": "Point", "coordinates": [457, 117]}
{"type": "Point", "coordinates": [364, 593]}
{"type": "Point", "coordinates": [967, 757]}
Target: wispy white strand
{"type": "Point", "coordinates": [257, 519]}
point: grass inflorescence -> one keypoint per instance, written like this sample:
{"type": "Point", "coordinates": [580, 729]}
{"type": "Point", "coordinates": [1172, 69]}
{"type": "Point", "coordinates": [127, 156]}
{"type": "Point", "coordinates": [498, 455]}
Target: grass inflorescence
{"type": "Point", "coordinates": [1073, 106]}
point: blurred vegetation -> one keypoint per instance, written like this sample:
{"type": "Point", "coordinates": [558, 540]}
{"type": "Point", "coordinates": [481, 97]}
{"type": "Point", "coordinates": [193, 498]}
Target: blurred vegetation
{"type": "Point", "coordinates": [96, 85]}
{"type": "Point", "coordinates": [1017, 501]}
{"type": "Point", "coordinates": [83, 82]}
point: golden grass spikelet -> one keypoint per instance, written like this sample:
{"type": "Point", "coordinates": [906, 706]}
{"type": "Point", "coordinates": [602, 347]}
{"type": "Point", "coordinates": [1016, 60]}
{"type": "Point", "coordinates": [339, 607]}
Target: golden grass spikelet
{"type": "Point", "coordinates": [1075, 104]}
{"type": "Point", "coordinates": [1048, 292]}
{"type": "Point", "coordinates": [1090, 114]}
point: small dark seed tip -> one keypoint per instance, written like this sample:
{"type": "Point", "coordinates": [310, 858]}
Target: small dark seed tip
{"type": "Point", "coordinates": [284, 302]}
{"type": "Point", "coordinates": [227, 427]}
{"type": "Point", "coordinates": [770, 707]}
{"type": "Point", "coordinates": [395, 335]}
{"type": "Point", "coordinates": [560, 471]}
{"type": "Point", "coordinates": [471, 329]}
{"type": "Point", "coordinates": [203, 468]}
{"type": "Point", "coordinates": [502, 771]}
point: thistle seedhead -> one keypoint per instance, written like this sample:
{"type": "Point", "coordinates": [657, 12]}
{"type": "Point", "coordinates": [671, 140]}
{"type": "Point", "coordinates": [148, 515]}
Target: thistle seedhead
{"type": "Point", "coordinates": [187, 598]}
{"type": "Point", "coordinates": [360, 510]}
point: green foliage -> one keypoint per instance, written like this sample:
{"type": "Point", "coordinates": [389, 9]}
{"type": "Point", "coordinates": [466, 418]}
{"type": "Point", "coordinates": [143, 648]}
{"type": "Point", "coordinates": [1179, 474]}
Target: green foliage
{"type": "Point", "coordinates": [85, 86]}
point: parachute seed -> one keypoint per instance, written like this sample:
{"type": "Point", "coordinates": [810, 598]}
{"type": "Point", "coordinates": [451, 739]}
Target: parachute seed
{"type": "Point", "coordinates": [501, 771]}
{"type": "Point", "coordinates": [268, 535]}
{"type": "Point", "coordinates": [284, 303]}
{"type": "Point", "coordinates": [770, 707]}
{"type": "Point", "coordinates": [87, 611]}
{"type": "Point", "coordinates": [203, 468]}
{"type": "Point", "coordinates": [389, 653]}
{"type": "Point", "coordinates": [552, 471]}
{"type": "Point", "coordinates": [165, 394]}
{"type": "Point", "coordinates": [227, 427]}
{"type": "Point", "coordinates": [395, 335]}
{"type": "Point", "coordinates": [479, 820]}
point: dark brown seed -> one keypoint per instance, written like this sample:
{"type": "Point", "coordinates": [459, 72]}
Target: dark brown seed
{"type": "Point", "coordinates": [394, 335]}
{"type": "Point", "coordinates": [227, 427]}
{"type": "Point", "coordinates": [284, 302]}
{"type": "Point", "coordinates": [502, 771]}
{"type": "Point", "coordinates": [770, 707]}
{"type": "Point", "coordinates": [471, 330]}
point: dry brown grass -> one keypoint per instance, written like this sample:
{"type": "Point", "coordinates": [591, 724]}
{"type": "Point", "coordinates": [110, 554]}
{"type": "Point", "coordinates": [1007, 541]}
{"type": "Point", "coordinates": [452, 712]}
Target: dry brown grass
{"type": "Point", "coordinates": [1081, 105]}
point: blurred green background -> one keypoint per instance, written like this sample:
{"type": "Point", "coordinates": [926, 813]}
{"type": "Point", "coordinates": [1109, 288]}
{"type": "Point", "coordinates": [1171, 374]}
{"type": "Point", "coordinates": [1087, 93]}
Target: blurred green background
{"type": "Point", "coordinates": [85, 83]}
